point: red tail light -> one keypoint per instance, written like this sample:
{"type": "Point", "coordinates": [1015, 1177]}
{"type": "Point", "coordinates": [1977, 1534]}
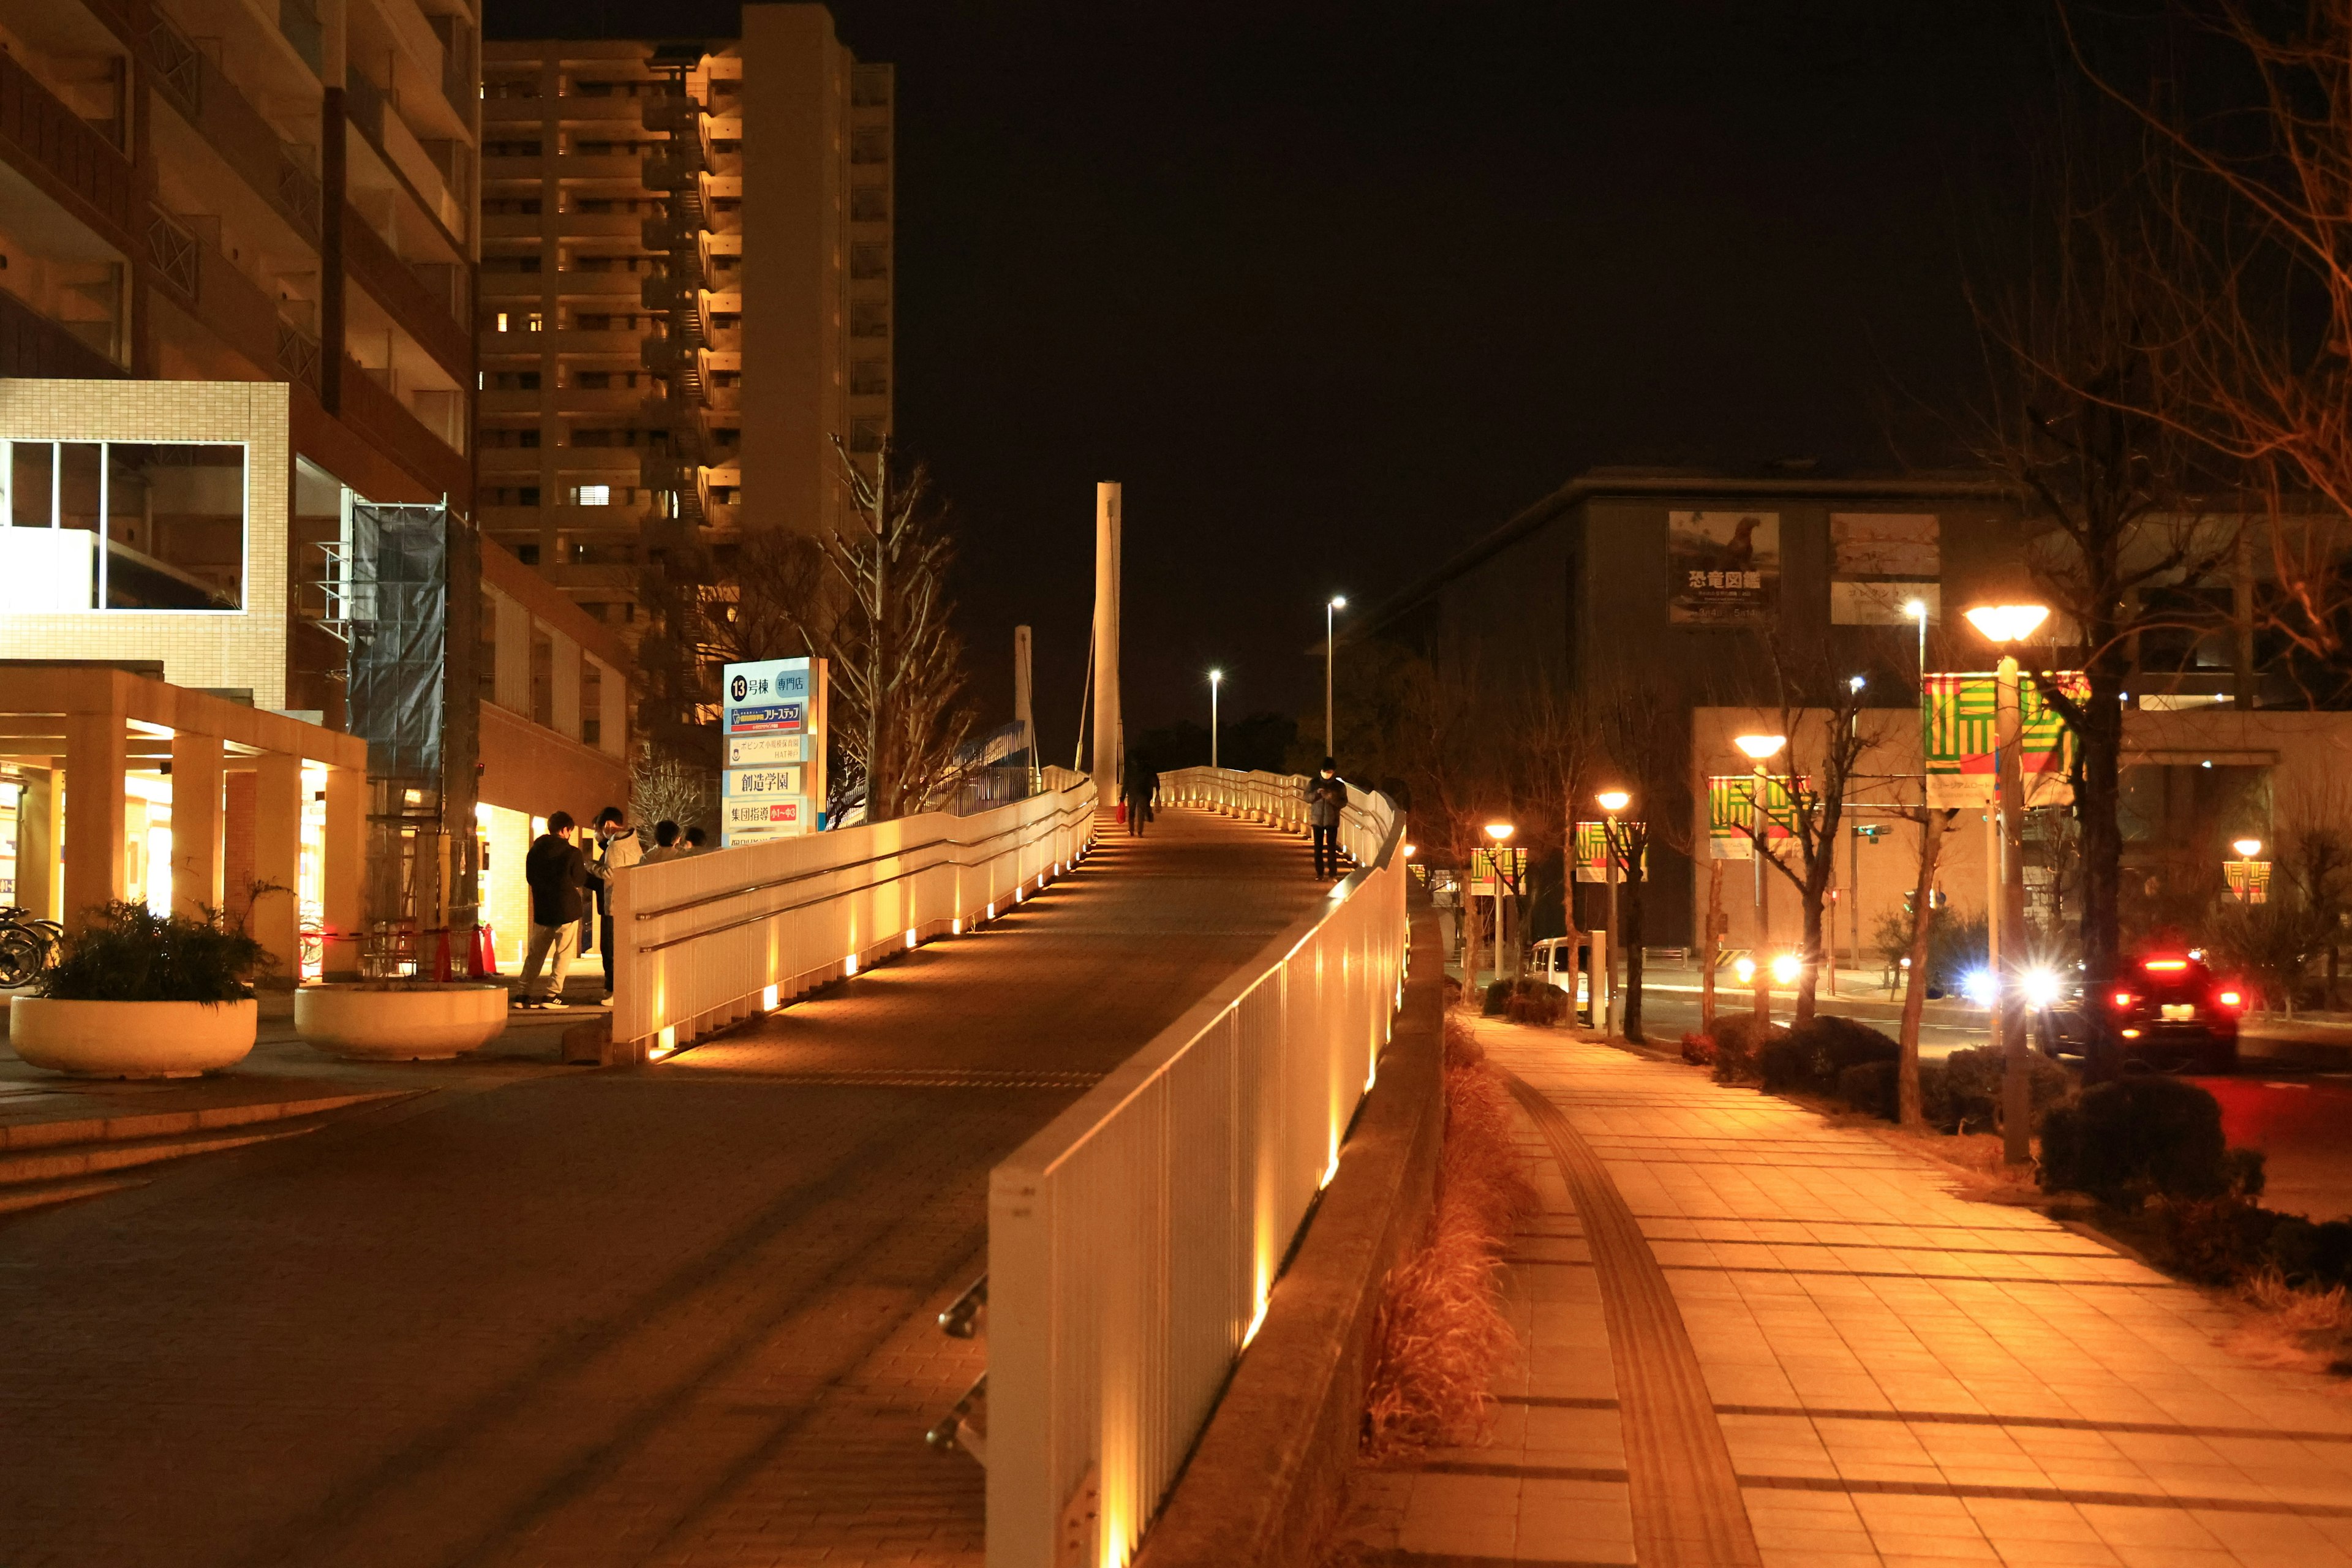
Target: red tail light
{"type": "Point", "coordinates": [2228, 999]}
{"type": "Point", "coordinates": [2125, 999]}
{"type": "Point", "coordinates": [2165, 965]}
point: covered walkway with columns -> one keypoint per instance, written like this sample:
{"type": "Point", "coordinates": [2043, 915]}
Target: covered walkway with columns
{"type": "Point", "coordinates": [109, 767]}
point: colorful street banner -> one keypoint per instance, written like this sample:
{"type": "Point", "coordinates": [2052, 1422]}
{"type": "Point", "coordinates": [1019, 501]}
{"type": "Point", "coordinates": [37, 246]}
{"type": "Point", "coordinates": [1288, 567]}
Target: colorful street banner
{"type": "Point", "coordinates": [2249, 880]}
{"type": "Point", "coordinates": [1956, 717]}
{"type": "Point", "coordinates": [1593, 851]}
{"type": "Point", "coordinates": [1482, 869]}
{"type": "Point", "coordinates": [1731, 813]}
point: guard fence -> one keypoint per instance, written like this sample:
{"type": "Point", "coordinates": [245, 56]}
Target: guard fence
{"type": "Point", "coordinates": [1134, 1243]}
{"type": "Point", "coordinates": [703, 942]}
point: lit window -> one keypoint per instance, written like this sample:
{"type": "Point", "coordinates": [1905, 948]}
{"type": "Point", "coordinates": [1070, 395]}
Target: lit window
{"type": "Point", "coordinates": [592, 495]}
{"type": "Point", "coordinates": [502, 321]}
{"type": "Point", "coordinates": [534, 321]}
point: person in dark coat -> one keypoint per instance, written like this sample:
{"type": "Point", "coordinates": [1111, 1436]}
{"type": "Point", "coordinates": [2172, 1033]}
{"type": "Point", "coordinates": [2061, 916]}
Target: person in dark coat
{"type": "Point", "coordinates": [1140, 787]}
{"type": "Point", "coordinates": [1327, 796]}
{"type": "Point", "coordinates": [558, 875]}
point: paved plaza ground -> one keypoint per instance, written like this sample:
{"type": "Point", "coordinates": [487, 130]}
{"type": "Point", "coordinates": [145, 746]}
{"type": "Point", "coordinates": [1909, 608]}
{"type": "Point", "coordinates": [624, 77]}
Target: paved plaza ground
{"type": "Point", "coordinates": [1749, 1336]}
{"type": "Point", "coordinates": [575, 1317]}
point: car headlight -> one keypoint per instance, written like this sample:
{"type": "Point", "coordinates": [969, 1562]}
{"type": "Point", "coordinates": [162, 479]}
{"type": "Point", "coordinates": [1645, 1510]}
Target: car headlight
{"type": "Point", "coordinates": [1787, 967]}
{"type": "Point", "coordinates": [2041, 986]}
{"type": "Point", "coordinates": [1745, 968]}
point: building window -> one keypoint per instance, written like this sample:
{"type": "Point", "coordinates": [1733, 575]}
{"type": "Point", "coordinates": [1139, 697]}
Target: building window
{"type": "Point", "coordinates": [502, 321]}
{"type": "Point", "coordinates": [869, 378]}
{"type": "Point", "coordinates": [870, 203]}
{"type": "Point", "coordinates": [122, 525]}
{"type": "Point", "coordinates": [592, 495]}
{"type": "Point", "coordinates": [510, 149]}
{"type": "Point", "coordinates": [527, 554]}
{"type": "Point", "coordinates": [542, 675]}
{"type": "Point", "coordinates": [870, 145]}
{"type": "Point", "coordinates": [866, 436]}
{"type": "Point", "coordinates": [486, 671]}
{"type": "Point", "coordinates": [511, 206]}
{"type": "Point", "coordinates": [533, 322]}
{"type": "Point", "coordinates": [592, 701]}
{"type": "Point", "coordinates": [592, 379]}
{"type": "Point", "coordinates": [869, 88]}
{"type": "Point", "coordinates": [528, 266]}
{"type": "Point", "coordinates": [869, 261]}
{"type": "Point", "coordinates": [869, 318]}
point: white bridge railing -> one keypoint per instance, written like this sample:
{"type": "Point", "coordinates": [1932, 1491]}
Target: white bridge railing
{"type": "Point", "coordinates": [703, 942]}
{"type": "Point", "coordinates": [1133, 1244]}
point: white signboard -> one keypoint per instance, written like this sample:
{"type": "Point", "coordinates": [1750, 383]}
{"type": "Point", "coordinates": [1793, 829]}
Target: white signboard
{"type": "Point", "coordinates": [754, 750]}
{"type": "Point", "coordinates": [772, 722]}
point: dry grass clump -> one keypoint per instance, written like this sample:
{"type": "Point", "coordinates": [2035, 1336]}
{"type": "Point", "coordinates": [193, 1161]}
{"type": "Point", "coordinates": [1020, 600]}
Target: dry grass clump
{"type": "Point", "coordinates": [2293, 1328]}
{"type": "Point", "coordinates": [1977, 1162]}
{"type": "Point", "coordinates": [1440, 1334]}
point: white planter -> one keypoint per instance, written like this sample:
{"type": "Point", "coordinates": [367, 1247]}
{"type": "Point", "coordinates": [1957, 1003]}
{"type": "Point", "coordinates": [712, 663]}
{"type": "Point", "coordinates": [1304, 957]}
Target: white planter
{"type": "Point", "coordinates": [399, 1023]}
{"type": "Point", "coordinates": [130, 1039]}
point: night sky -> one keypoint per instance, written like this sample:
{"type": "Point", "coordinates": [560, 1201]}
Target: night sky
{"type": "Point", "coordinates": [1335, 289]}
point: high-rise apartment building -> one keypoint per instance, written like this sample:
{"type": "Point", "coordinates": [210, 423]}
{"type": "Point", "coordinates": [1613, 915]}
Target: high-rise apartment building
{"type": "Point", "coordinates": [193, 191]}
{"type": "Point", "coordinates": [686, 292]}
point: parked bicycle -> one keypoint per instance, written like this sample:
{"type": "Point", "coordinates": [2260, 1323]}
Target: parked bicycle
{"type": "Point", "coordinates": [29, 945]}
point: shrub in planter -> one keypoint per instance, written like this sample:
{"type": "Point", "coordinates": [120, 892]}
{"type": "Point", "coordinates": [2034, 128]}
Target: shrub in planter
{"type": "Point", "coordinates": [2218, 1240]}
{"type": "Point", "coordinates": [2139, 1138]}
{"type": "Point", "coordinates": [138, 995]}
{"type": "Point", "coordinates": [1497, 1000]}
{"type": "Point", "coordinates": [1699, 1050]}
{"type": "Point", "coordinates": [2319, 1255]}
{"type": "Point", "coordinates": [1814, 1054]}
{"type": "Point", "coordinates": [128, 953]}
{"type": "Point", "coordinates": [1738, 1051]}
{"type": "Point", "coordinates": [1962, 1093]}
{"type": "Point", "coordinates": [1869, 1088]}
{"type": "Point", "coordinates": [1532, 1002]}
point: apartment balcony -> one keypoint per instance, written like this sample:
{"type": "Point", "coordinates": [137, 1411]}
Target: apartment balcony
{"type": "Point", "coordinates": [513, 225]}
{"type": "Point", "coordinates": [31, 344]}
{"type": "Point", "coordinates": [380, 414]}
{"type": "Point", "coordinates": [625, 168]}
{"type": "Point", "coordinates": [727, 339]}
{"type": "Point", "coordinates": [487, 404]}
{"type": "Point", "coordinates": [604, 345]}
{"type": "Point", "coordinates": [604, 113]}
{"type": "Point", "coordinates": [427, 314]}
{"type": "Point", "coordinates": [599, 399]}
{"type": "Point", "coordinates": [228, 121]}
{"type": "Point", "coordinates": [58, 149]}
{"type": "Point", "coordinates": [597, 226]}
{"type": "Point", "coordinates": [622, 287]}
{"type": "Point", "coordinates": [511, 465]}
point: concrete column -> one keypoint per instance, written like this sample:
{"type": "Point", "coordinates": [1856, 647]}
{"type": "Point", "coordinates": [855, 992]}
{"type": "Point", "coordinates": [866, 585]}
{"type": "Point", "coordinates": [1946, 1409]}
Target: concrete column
{"type": "Point", "coordinates": [195, 823]}
{"type": "Point", "coordinates": [275, 922]}
{"type": "Point", "coordinates": [343, 868]}
{"type": "Point", "coordinates": [94, 872]}
{"type": "Point", "coordinates": [1108, 758]}
{"type": "Point", "coordinates": [41, 823]}
{"type": "Point", "coordinates": [1023, 702]}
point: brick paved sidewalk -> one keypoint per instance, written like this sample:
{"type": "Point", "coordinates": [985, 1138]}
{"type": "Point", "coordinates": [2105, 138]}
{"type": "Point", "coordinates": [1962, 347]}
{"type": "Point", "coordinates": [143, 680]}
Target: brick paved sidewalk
{"type": "Point", "coordinates": [678, 1314]}
{"type": "Point", "coordinates": [1881, 1371]}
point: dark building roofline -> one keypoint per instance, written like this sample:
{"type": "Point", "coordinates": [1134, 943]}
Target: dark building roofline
{"type": "Point", "coordinates": [1603, 482]}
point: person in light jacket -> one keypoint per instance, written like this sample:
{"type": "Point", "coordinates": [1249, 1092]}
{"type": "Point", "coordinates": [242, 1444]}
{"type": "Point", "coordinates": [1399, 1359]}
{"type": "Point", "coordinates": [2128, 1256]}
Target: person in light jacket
{"type": "Point", "coordinates": [619, 849]}
{"type": "Point", "coordinates": [1326, 795]}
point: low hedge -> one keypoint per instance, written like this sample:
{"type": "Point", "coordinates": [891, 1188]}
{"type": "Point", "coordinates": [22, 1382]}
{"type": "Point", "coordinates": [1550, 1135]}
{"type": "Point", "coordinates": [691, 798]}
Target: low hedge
{"type": "Point", "coordinates": [2144, 1137]}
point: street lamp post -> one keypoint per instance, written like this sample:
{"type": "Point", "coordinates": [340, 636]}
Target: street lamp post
{"type": "Point", "coordinates": [2005, 625]}
{"type": "Point", "coordinates": [1499, 834]}
{"type": "Point", "coordinates": [1216, 678]}
{"type": "Point", "coordinates": [1336, 603]}
{"type": "Point", "coordinates": [1613, 800]}
{"type": "Point", "coordinates": [2247, 850]}
{"type": "Point", "coordinates": [1758, 747]}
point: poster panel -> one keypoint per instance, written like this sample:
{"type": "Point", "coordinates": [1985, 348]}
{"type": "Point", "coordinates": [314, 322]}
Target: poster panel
{"type": "Point", "coordinates": [1956, 717]}
{"type": "Point", "coordinates": [1731, 813]}
{"type": "Point", "coordinates": [1592, 852]}
{"type": "Point", "coordinates": [1725, 567]}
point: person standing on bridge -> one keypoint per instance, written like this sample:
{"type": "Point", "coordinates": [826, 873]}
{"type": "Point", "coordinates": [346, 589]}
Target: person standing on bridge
{"type": "Point", "coordinates": [1327, 795]}
{"type": "Point", "coordinates": [557, 876]}
{"type": "Point", "coordinates": [1140, 789]}
{"type": "Point", "coordinates": [618, 851]}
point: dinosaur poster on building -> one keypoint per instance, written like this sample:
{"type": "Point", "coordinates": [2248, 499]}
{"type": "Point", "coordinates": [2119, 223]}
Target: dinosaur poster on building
{"type": "Point", "coordinates": [1725, 567]}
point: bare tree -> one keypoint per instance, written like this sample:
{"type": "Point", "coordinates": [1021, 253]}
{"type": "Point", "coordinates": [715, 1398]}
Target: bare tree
{"type": "Point", "coordinates": [1558, 745]}
{"type": "Point", "coordinates": [1933, 824]}
{"type": "Point", "coordinates": [898, 663]}
{"type": "Point", "coordinates": [666, 787]}
{"type": "Point", "coordinates": [1652, 759]}
{"type": "Point", "coordinates": [1821, 714]}
{"type": "Point", "coordinates": [2078, 356]}
{"type": "Point", "coordinates": [2315, 858]}
{"type": "Point", "coordinates": [1450, 763]}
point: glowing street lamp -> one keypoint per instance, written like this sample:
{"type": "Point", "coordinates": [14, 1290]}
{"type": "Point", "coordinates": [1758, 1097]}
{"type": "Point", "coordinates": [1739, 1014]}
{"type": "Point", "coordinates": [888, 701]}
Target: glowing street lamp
{"type": "Point", "coordinates": [1499, 834]}
{"type": "Point", "coordinates": [1216, 678]}
{"type": "Point", "coordinates": [1331, 608]}
{"type": "Point", "coordinates": [1757, 747]}
{"type": "Point", "coordinates": [2247, 850]}
{"type": "Point", "coordinates": [1613, 800]}
{"type": "Point", "coordinates": [2004, 625]}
